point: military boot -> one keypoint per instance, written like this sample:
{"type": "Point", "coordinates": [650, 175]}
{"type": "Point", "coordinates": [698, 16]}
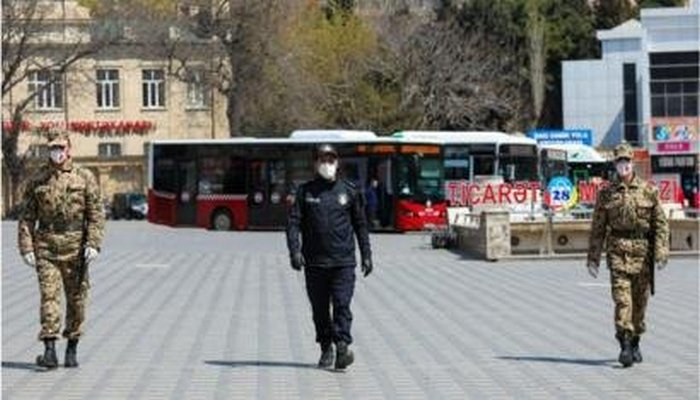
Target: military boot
{"type": "Point", "coordinates": [49, 359]}
{"type": "Point", "coordinates": [636, 353]}
{"type": "Point", "coordinates": [625, 358]}
{"type": "Point", "coordinates": [71, 360]}
{"type": "Point", "coordinates": [343, 356]}
{"type": "Point", "coordinates": [326, 360]}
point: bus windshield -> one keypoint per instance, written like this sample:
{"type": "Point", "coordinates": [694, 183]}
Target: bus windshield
{"type": "Point", "coordinates": [518, 163]}
{"type": "Point", "coordinates": [419, 178]}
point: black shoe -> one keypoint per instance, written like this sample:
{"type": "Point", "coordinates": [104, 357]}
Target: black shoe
{"type": "Point", "coordinates": [49, 359]}
{"type": "Point", "coordinates": [326, 360]}
{"type": "Point", "coordinates": [343, 356]}
{"type": "Point", "coordinates": [636, 353]}
{"type": "Point", "coordinates": [625, 358]}
{"type": "Point", "coordinates": [71, 360]}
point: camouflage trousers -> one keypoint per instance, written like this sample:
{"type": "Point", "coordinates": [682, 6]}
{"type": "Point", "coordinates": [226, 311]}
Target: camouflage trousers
{"type": "Point", "coordinates": [54, 275]}
{"type": "Point", "coordinates": [630, 292]}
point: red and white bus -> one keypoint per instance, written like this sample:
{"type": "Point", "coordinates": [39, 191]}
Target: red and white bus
{"type": "Point", "coordinates": [246, 183]}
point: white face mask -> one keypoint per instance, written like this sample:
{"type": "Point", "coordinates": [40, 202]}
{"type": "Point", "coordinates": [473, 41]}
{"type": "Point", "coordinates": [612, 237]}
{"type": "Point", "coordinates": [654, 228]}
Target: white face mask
{"type": "Point", "coordinates": [57, 156]}
{"type": "Point", "coordinates": [328, 170]}
{"type": "Point", "coordinates": [624, 168]}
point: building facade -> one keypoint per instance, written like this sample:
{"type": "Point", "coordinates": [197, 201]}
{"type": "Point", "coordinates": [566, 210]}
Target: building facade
{"type": "Point", "coordinates": [113, 103]}
{"type": "Point", "coordinates": [644, 90]}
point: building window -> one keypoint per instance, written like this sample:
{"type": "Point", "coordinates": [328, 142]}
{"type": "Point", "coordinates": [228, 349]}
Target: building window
{"type": "Point", "coordinates": [48, 86]}
{"type": "Point", "coordinates": [107, 88]}
{"type": "Point", "coordinates": [153, 88]}
{"type": "Point", "coordinates": [674, 84]}
{"type": "Point", "coordinates": [197, 89]}
{"type": "Point", "coordinates": [109, 149]}
{"type": "Point", "coordinates": [629, 83]}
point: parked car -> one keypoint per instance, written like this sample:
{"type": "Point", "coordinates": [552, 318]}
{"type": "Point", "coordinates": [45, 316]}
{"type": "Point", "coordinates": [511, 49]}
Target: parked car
{"type": "Point", "coordinates": [129, 206]}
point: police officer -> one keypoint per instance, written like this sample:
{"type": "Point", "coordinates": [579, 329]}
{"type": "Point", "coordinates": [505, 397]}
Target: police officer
{"type": "Point", "coordinates": [62, 210]}
{"type": "Point", "coordinates": [328, 212]}
{"type": "Point", "coordinates": [630, 224]}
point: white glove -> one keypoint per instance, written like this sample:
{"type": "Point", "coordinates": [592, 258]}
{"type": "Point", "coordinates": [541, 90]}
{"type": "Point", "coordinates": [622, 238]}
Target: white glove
{"type": "Point", "coordinates": [592, 269]}
{"type": "Point", "coordinates": [90, 255]}
{"type": "Point", "coordinates": [29, 259]}
{"type": "Point", "coordinates": [661, 265]}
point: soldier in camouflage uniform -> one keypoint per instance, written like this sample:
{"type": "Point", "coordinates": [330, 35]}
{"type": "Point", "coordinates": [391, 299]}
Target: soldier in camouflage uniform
{"type": "Point", "coordinates": [630, 224]}
{"type": "Point", "coordinates": [61, 204]}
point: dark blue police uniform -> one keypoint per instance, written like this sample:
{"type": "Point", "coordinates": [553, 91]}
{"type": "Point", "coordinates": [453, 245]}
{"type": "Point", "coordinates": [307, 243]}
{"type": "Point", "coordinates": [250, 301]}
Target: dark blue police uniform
{"type": "Point", "coordinates": [329, 215]}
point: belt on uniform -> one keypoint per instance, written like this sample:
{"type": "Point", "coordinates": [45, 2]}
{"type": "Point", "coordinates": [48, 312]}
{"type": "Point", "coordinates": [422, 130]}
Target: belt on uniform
{"type": "Point", "coordinates": [630, 234]}
{"type": "Point", "coordinates": [60, 227]}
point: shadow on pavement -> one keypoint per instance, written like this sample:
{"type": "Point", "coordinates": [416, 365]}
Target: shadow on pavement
{"type": "Point", "coordinates": [257, 363]}
{"type": "Point", "coordinates": [22, 365]}
{"type": "Point", "coordinates": [580, 361]}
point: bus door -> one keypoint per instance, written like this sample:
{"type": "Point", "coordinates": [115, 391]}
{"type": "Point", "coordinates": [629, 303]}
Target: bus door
{"type": "Point", "coordinates": [187, 192]}
{"type": "Point", "coordinates": [379, 169]}
{"type": "Point", "coordinates": [267, 193]}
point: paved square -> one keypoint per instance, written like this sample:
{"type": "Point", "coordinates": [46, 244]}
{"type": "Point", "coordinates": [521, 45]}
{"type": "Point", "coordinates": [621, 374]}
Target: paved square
{"type": "Point", "coordinates": [193, 314]}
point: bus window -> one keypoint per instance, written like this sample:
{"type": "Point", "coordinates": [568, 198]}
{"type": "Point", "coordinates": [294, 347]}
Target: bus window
{"type": "Point", "coordinates": [429, 179]}
{"type": "Point", "coordinates": [456, 163]}
{"type": "Point", "coordinates": [221, 171]}
{"type": "Point", "coordinates": [300, 168]}
{"type": "Point", "coordinates": [164, 175]}
{"type": "Point", "coordinates": [234, 176]}
{"type": "Point", "coordinates": [405, 176]}
{"type": "Point", "coordinates": [518, 162]}
{"type": "Point", "coordinates": [211, 174]}
{"type": "Point", "coordinates": [484, 164]}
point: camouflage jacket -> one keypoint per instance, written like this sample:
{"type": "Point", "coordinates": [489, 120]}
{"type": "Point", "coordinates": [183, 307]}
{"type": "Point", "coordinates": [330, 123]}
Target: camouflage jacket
{"type": "Point", "coordinates": [56, 201]}
{"type": "Point", "coordinates": [625, 217]}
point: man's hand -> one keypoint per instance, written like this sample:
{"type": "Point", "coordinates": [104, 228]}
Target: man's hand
{"type": "Point", "coordinates": [661, 265]}
{"type": "Point", "coordinates": [367, 266]}
{"type": "Point", "coordinates": [90, 255]}
{"type": "Point", "coordinates": [298, 261]}
{"type": "Point", "coordinates": [29, 259]}
{"type": "Point", "coordinates": [592, 269]}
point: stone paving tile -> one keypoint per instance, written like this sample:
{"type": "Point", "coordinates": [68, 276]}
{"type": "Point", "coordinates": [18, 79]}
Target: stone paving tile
{"type": "Point", "coordinates": [192, 314]}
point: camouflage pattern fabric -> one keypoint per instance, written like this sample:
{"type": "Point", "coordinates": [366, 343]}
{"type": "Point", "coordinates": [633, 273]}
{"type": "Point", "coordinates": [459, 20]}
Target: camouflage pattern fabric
{"type": "Point", "coordinates": [624, 214]}
{"type": "Point", "coordinates": [56, 201]}
{"type": "Point", "coordinates": [625, 217]}
{"type": "Point", "coordinates": [52, 275]}
{"type": "Point", "coordinates": [630, 292]}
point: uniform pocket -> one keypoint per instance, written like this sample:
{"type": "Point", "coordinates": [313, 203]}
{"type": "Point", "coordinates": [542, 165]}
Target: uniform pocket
{"type": "Point", "coordinates": [644, 210]}
{"type": "Point", "coordinates": [76, 192]}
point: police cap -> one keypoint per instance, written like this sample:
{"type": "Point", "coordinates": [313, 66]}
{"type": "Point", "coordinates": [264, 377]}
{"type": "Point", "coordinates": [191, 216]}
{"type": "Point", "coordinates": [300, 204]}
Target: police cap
{"type": "Point", "coordinates": [324, 149]}
{"type": "Point", "coordinates": [57, 137]}
{"type": "Point", "coordinates": [623, 150]}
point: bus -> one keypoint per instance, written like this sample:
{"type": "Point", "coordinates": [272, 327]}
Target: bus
{"type": "Point", "coordinates": [583, 162]}
{"type": "Point", "coordinates": [248, 183]}
{"type": "Point", "coordinates": [479, 168]}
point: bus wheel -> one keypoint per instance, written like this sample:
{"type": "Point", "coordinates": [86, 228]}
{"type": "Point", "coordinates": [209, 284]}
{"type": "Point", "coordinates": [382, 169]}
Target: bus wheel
{"type": "Point", "coordinates": [221, 220]}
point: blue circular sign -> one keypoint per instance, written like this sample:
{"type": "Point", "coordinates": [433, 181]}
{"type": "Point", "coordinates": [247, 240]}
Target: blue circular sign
{"type": "Point", "coordinates": [561, 193]}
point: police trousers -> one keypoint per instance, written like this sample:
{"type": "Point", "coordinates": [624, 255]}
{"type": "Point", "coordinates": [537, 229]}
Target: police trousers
{"type": "Point", "coordinates": [326, 286]}
{"type": "Point", "coordinates": [54, 275]}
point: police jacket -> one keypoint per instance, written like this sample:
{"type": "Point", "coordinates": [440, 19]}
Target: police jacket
{"type": "Point", "coordinates": [328, 215]}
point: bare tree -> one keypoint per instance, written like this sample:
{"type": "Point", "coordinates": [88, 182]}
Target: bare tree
{"type": "Point", "coordinates": [239, 36]}
{"type": "Point", "coordinates": [34, 39]}
{"type": "Point", "coordinates": [462, 79]}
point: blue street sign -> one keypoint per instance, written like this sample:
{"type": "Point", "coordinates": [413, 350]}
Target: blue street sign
{"type": "Point", "coordinates": [562, 136]}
